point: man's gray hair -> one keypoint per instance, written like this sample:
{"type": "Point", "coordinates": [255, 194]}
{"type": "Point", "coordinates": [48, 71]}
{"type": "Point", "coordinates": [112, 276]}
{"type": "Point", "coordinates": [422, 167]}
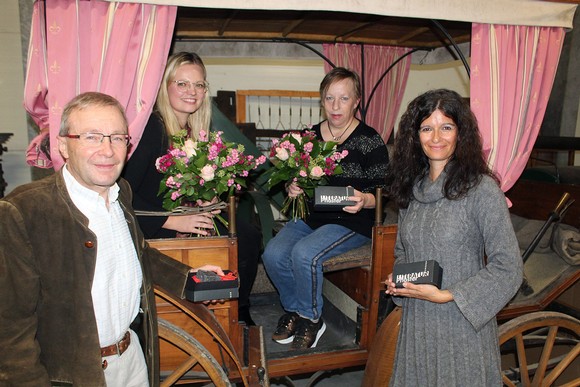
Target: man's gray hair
{"type": "Point", "coordinates": [85, 100]}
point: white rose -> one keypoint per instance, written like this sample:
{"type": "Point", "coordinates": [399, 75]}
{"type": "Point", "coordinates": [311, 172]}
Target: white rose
{"type": "Point", "coordinates": [207, 173]}
{"type": "Point", "coordinates": [190, 147]}
{"type": "Point", "coordinates": [297, 137]}
{"type": "Point", "coordinates": [282, 154]}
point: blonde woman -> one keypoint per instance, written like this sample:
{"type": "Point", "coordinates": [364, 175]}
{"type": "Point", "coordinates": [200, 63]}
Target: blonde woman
{"type": "Point", "coordinates": [183, 102]}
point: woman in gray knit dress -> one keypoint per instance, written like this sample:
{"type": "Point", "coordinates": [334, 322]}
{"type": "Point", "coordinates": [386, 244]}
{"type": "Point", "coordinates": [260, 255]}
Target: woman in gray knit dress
{"type": "Point", "coordinates": [453, 211]}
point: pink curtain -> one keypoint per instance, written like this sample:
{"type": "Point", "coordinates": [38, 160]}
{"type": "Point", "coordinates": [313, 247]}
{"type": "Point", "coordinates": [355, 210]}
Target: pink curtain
{"type": "Point", "coordinates": [76, 46]}
{"type": "Point", "coordinates": [512, 73]}
{"type": "Point", "coordinates": [386, 101]}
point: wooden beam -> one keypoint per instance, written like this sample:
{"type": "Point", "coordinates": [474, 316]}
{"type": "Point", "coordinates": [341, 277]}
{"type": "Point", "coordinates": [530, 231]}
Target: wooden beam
{"type": "Point", "coordinates": [226, 23]}
{"type": "Point", "coordinates": [291, 26]}
{"type": "Point", "coordinates": [357, 28]}
{"type": "Point", "coordinates": [193, 35]}
{"type": "Point", "coordinates": [412, 34]}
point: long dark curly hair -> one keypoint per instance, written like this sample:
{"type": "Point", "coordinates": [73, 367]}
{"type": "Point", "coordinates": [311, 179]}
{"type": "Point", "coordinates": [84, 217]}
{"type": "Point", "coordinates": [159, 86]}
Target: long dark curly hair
{"type": "Point", "coordinates": [409, 163]}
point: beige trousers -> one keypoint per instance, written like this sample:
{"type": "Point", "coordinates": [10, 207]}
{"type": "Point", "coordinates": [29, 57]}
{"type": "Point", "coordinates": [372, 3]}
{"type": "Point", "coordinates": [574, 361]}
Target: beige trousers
{"type": "Point", "coordinates": [129, 369]}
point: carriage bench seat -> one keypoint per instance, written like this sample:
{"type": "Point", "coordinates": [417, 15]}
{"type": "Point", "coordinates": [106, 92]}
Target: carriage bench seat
{"type": "Point", "coordinates": [358, 257]}
{"type": "Point", "coordinates": [362, 256]}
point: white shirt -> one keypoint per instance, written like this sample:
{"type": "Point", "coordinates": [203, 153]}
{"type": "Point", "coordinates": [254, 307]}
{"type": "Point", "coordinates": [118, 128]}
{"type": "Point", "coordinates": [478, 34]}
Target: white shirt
{"type": "Point", "coordinates": [118, 276]}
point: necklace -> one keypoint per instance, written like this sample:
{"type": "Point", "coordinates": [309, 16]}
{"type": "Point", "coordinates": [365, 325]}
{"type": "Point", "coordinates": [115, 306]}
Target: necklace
{"type": "Point", "coordinates": [337, 138]}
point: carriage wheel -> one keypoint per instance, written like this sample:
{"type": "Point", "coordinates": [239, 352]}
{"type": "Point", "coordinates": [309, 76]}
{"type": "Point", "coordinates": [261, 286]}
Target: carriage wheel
{"type": "Point", "coordinates": [198, 355]}
{"type": "Point", "coordinates": [542, 345]}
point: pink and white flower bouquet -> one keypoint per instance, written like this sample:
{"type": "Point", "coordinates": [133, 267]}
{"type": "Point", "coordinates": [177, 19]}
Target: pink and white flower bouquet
{"type": "Point", "coordinates": [301, 158]}
{"type": "Point", "coordinates": [203, 170]}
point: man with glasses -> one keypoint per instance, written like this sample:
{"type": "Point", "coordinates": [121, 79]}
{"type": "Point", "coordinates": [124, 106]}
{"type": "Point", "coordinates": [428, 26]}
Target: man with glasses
{"type": "Point", "coordinates": [75, 271]}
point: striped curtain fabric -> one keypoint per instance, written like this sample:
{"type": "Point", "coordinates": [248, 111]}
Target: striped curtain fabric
{"type": "Point", "coordinates": [76, 46]}
{"type": "Point", "coordinates": [385, 104]}
{"type": "Point", "coordinates": [512, 73]}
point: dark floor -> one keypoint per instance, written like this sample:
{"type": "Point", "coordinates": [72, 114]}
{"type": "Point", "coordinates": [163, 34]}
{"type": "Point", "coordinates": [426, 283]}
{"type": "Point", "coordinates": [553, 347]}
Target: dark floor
{"type": "Point", "coordinates": [339, 334]}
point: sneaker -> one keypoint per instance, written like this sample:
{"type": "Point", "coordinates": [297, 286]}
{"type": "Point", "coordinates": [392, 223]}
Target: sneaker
{"type": "Point", "coordinates": [284, 333]}
{"type": "Point", "coordinates": [308, 333]}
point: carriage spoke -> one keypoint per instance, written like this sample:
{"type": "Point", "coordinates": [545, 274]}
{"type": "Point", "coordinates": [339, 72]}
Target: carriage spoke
{"type": "Point", "coordinates": [546, 353]}
{"type": "Point", "coordinates": [565, 362]}
{"type": "Point", "coordinates": [522, 359]}
{"type": "Point", "coordinates": [180, 371]}
{"type": "Point", "coordinates": [197, 356]}
{"type": "Point", "coordinates": [573, 383]}
{"type": "Point", "coordinates": [507, 382]}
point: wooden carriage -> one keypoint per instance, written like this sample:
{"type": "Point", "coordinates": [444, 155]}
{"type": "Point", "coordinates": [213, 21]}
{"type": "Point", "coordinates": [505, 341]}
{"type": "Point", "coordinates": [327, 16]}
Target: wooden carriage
{"type": "Point", "coordinates": [200, 343]}
{"type": "Point", "coordinates": [541, 346]}
{"type": "Point", "coordinates": [210, 338]}
{"type": "Point", "coordinates": [240, 354]}
{"type": "Point", "coordinates": [358, 277]}
{"type": "Point", "coordinates": [241, 351]}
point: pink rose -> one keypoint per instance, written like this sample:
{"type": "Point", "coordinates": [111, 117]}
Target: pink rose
{"type": "Point", "coordinates": [316, 172]}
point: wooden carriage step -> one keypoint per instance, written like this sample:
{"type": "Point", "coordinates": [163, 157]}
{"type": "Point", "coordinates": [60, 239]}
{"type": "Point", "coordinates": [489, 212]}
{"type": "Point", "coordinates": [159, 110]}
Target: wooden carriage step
{"type": "Point", "coordinates": [358, 257]}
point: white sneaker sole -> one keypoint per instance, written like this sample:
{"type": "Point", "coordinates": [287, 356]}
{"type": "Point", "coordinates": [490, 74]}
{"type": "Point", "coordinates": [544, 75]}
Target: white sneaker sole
{"type": "Point", "coordinates": [285, 341]}
{"type": "Point", "coordinates": [319, 334]}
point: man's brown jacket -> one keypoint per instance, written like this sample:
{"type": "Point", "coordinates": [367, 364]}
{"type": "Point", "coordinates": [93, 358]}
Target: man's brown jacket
{"type": "Point", "coordinates": [48, 331]}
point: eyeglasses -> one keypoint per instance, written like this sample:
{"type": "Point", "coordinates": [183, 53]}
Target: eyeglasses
{"type": "Point", "coordinates": [183, 86]}
{"type": "Point", "coordinates": [96, 139]}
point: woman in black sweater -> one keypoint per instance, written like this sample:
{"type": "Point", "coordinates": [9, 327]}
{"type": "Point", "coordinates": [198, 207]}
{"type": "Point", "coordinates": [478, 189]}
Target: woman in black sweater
{"type": "Point", "coordinates": [183, 102]}
{"type": "Point", "coordinates": [294, 258]}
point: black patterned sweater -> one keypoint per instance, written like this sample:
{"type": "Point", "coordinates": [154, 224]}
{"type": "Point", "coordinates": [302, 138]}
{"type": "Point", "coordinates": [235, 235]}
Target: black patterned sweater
{"type": "Point", "coordinates": [364, 169]}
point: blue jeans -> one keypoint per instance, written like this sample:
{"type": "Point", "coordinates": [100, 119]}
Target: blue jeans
{"type": "Point", "coordinates": [293, 260]}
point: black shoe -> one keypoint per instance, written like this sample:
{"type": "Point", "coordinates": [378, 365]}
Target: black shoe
{"type": "Point", "coordinates": [284, 333]}
{"type": "Point", "coordinates": [245, 316]}
{"type": "Point", "coordinates": [308, 333]}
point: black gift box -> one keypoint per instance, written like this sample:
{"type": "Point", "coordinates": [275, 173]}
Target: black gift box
{"type": "Point", "coordinates": [328, 198]}
{"type": "Point", "coordinates": [211, 290]}
{"type": "Point", "coordinates": [424, 272]}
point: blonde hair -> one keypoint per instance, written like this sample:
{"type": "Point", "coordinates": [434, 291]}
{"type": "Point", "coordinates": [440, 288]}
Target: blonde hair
{"type": "Point", "coordinates": [198, 120]}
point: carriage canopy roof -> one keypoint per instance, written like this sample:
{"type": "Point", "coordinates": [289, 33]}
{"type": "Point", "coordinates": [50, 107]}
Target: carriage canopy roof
{"type": "Point", "coordinates": [395, 23]}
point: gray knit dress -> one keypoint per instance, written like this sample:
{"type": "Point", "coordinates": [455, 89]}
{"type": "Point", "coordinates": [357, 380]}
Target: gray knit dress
{"type": "Point", "coordinates": [456, 343]}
